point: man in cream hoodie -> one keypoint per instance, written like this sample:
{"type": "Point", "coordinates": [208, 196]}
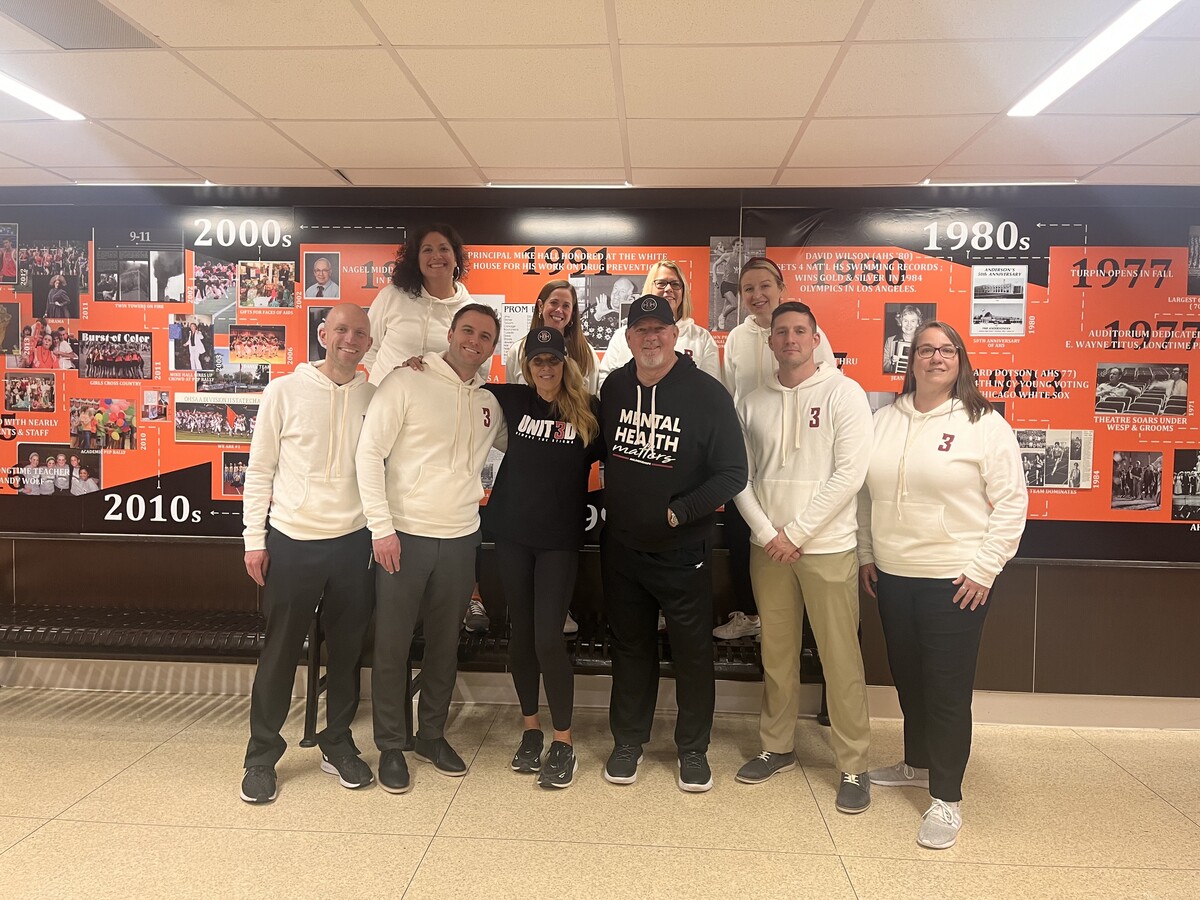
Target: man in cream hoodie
{"type": "Point", "coordinates": [423, 446]}
{"type": "Point", "coordinates": [315, 549]}
{"type": "Point", "coordinates": [808, 438]}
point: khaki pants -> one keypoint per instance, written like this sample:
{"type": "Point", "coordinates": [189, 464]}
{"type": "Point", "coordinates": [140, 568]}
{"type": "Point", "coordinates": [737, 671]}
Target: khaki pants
{"type": "Point", "coordinates": [827, 585]}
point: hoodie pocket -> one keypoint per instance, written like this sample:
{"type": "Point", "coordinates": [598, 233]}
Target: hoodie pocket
{"type": "Point", "coordinates": [290, 489]}
{"type": "Point", "coordinates": [909, 529]}
{"type": "Point", "coordinates": [786, 499]}
{"type": "Point", "coordinates": [438, 494]}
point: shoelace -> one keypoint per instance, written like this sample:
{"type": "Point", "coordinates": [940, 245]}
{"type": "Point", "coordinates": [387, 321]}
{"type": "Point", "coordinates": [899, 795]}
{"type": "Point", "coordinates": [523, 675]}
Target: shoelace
{"type": "Point", "coordinates": [691, 761]}
{"type": "Point", "coordinates": [908, 771]}
{"type": "Point", "coordinates": [847, 778]}
{"type": "Point", "coordinates": [765, 756]}
{"type": "Point", "coordinates": [476, 607]}
{"type": "Point", "coordinates": [626, 752]}
{"type": "Point", "coordinates": [940, 810]}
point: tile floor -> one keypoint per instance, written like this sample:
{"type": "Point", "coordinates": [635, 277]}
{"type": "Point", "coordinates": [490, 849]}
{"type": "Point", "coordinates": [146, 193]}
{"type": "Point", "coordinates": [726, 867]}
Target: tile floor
{"type": "Point", "coordinates": [136, 795]}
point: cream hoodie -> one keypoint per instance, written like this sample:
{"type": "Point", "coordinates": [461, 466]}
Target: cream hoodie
{"type": "Point", "coordinates": [807, 447]}
{"type": "Point", "coordinates": [302, 458]}
{"type": "Point", "coordinates": [404, 325]}
{"type": "Point", "coordinates": [944, 496]}
{"type": "Point", "coordinates": [422, 451]}
{"type": "Point", "coordinates": [516, 354]}
{"type": "Point", "coordinates": [694, 341]}
{"type": "Point", "coordinates": [749, 362]}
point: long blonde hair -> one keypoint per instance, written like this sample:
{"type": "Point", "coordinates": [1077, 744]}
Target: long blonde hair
{"type": "Point", "coordinates": [573, 403]}
{"type": "Point", "coordinates": [578, 347]}
{"type": "Point", "coordinates": [685, 297]}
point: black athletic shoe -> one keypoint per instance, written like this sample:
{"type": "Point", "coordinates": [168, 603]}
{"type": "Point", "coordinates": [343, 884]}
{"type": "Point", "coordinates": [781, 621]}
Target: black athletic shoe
{"type": "Point", "coordinates": [393, 772]}
{"type": "Point", "coordinates": [695, 777]}
{"type": "Point", "coordinates": [623, 763]}
{"type": "Point", "coordinates": [561, 766]}
{"type": "Point", "coordinates": [258, 784]}
{"type": "Point", "coordinates": [439, 752]}
{"type": "Point", "coordinates": [351, 771]}
{"type": "Point", "coordinates": [528, 758]}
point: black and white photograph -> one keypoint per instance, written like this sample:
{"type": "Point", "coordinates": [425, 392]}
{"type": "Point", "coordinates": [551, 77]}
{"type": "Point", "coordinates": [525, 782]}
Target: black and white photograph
{"type": "Point", "coordinates": [1136, 480]}
{"type": "Point", "coordinates": [139, 263]}
{"type": "Point", "coordinates": [1146, 389]}
{"type": "Point", "coordinates": [49, 470]}
{"type": "Point", "coordinates": [1034, 463]}
{"type": "Point", "coordinates": [726, 256]}
{"type": "Point", "coordinates": [998, 295]}
{"type": "Point", "coordinates": [316, 318]}
{"type": "Point", "coordinates": [9, 247]}
{"type": "Point", "coordinates": [1185, 486]}
{"type": "Point", "coordinates": [1194, 260]}
{"type": "Point", "coordinates": [231, 377]}
{"type": "Point", "coordinates": [133, 281]}
{"type": "Point", "coordinates": [10, 328]}
{"type": "Point", "coordinates": [191, 342]}
{"type": "Point", "coordinates": [322, 276]}
{"type": "Point", "coordinates": [1066, 457]}
{"type": "Point", "coordinates": [900, 324]}
{"type": "Point", "coordinates": [997, 319]}
{"type": "Point", "coordinates": [166, 276]}
{"type": "Point", "coordinates": [264, 284]}
{"type": "Point", "coordinates": [115, 354]}
{"type": "Point", "coordinates": [215, 418]}
{"type": "Point", "coordinates": [27, 392]}
{"type": "Point", "coordinates": [604, 302]}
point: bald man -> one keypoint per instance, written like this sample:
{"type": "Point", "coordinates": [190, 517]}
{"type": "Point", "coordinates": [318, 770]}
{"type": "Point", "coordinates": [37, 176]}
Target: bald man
{"type": "Point", "coordinates": [315, 549]}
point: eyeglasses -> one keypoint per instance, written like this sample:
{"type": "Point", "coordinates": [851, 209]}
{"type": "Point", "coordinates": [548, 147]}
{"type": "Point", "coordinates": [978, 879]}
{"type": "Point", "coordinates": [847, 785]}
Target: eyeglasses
{"type": "Point", "coordinates": [662, 284]}
{"type": "Point", "coordinates": [926, 351]}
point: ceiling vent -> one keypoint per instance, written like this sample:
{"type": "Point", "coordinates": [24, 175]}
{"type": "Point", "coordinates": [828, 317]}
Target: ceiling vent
{"type": "Point", "coordinates": [76, 24]}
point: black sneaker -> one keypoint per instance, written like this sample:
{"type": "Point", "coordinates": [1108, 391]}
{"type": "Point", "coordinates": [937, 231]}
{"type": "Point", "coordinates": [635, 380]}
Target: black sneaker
{"type": "Point", "coordinates": [764, 766]}
{"type": "Point", "coordinates": [528, 758]}
{"type": "Point", "coordinates": [439, 752]}
{"type": "Point", "coordinates": [258, 784]}
{"type": "Point", "coordinates": [351, 771]}
{"type": "Point", "coordinates": [560, 768]}
{"type": "Point", "coordinates": [695, 777]}
{"type": "Point", "coordinates": [854, 793]}
{"type": "Point", "coordinates": [623, 763]}
{"type": "Point", "coordinates": [393, 772]}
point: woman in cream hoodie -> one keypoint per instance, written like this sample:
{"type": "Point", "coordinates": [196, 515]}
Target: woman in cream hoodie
{"type": "Point", "coordinates": [942, 511]}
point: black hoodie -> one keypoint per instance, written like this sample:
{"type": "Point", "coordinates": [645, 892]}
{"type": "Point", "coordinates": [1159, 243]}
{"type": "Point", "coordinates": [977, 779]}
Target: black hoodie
{"type": "Point", "coordinates": [676, 444]}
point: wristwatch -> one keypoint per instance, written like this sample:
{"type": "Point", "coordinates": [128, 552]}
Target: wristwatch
{"type": "Point", "coordinates": [672, 519]}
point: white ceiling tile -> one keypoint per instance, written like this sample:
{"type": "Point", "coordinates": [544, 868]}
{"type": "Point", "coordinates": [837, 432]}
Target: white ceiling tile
{"type": "Point", "coordinates": [237, 23]}
{"type": "Point", "coordinates": [14, 177]}
{"type": "Point", "coordinates": [316, 84]}
{"type": "Point", "coordinates": [937, 78]}
{"type": "Point", "coordinates": [207, 143]}
{"type": "Point", "coordinates": [273, 177]}
{"type": "Point", "coordinates": [414, 177]}
{"type": "Point", "coordinates": [702, 177]}
{"type": "Point", "coordinates": [1145, 77]}
{"type": "Point", "coordinates": [501, 84]}
{"type": "Point", "coordinates": [9, 162]}
{"type": "Point", "coordinates": [659, 144]}
{"type": "Point", "coordinates": [1181, 22]}
{"type": "Point", "coordinates": [14, 37]}
{"type": "Point", "coordinates": [122, 84]}
{"type": "Point", "coordinates": [521, 175]}
{"type": "Point", "coordinates": [13, 110]}
{"type": "Point", "coordinates": [470, 22]}
{"type": "Point", "coordinates": [126, 173]}
{"type": "Point", "coordinates": [58, 144]}
{"type": "Point", "coordinates": [553, 144]}
{"type": "Point", "coordinates": [920, 20]}
{"type": "Point", "coordinates": [677, 22]}
{"type": "Point", "coordinates": [1010, 173]}
{"type": "Point", "coordinates": [851, 177]}
{"type": "Point", "coordinates": [1180, 147]}
{"type": "Point", "coordinates": [883, 142]}
{"type": "Point", "coordinates": [378, 145]}
{"type": "Point", "coordinates": [1146, 175]}
{"type": "Point", "coordinates": [1062, 140]}
{"type": "Point", "coordinates": [705, 82]}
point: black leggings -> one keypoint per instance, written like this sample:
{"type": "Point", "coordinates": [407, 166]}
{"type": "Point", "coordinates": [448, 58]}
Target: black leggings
{"type": "Point", "coordinates": [538, 585]}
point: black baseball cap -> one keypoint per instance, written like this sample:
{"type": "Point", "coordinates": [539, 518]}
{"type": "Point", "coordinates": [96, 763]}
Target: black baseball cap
{"type": "Point", "coordinates": [650, 306]}
{"type": "Point", "coordinates": [545, 340]}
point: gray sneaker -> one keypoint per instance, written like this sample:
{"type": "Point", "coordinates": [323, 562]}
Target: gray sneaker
{"type": "Point", "coordinates": [764, 766]}
{"type": "Point", "coordinates": [476, 620]}
{"type": "Point", "coordinates": [854, 795]}
{"type": "Point", "coordinates": [940, 825]}
{"type": "Point", "coordinates": [900, 775]}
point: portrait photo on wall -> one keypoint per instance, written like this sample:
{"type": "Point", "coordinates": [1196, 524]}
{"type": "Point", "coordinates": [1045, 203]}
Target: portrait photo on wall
{"type": "Point", "coordinates": [215, 418]}
{"type": "Point", "coordinates": [27, 392]}
{"type": "Point", "coordinates": [900, 324]}
{"type": "Point", "coordinates": [266, 284]}
{"type": "Point", "coordinates": [108, 423]}
{"type": "Point", "coordinates": [9, 248]}
{"type": "Point", "coordinates": [726, 256]}
{"type": "Point", "coordinates": [232, 377]}
{"type": "Point", "coordinates": [322, 274]}
{"type": "Point", "coordinates": [47, 470]}
{"type": "Point", "coordinates": [1158, 389]}
{"type": "Point", "coordinates": [48, 258]}
{"type": "Point", "coordinates": [1185, 486]}
{"type": "Point", "coordinates": [191, 340]}
{"type": "Point", "coordinates": [10, 328]}
{"type": "Point", "coordinates": [233, 473]}
{"type": "Point", "coordinates": [115, 354]}
{"type": "Point", "coordinates": [1136, 479]}
{"type": "Point", "coordinates": [603, 304]}
{"type": "Point", "coordinates": [155, 405]}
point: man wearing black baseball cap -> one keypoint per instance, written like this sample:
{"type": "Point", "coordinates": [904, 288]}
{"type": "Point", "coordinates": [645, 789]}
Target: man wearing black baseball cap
{"type": "Point", "coordinates": [675, 454]}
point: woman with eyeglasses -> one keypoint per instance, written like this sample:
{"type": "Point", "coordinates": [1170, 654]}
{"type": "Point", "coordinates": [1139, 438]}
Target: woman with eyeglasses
{"type": "Point", "coordinates": [942, 511]}
{"type": "Point", "coordinates": [557, 307]}
{"type": "Point", "coordinates": [536, 513]}
{"type": "Point", "coordinates": [666, 279]}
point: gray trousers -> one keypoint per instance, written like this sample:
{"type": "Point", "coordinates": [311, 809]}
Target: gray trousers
{"type": "Point", "coordinates": [433, 586]}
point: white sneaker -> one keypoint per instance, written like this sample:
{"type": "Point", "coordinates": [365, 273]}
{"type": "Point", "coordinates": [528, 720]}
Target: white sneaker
{"type": "Point", "coordinates": [570, 626]}
{"type": "Point", "coordinates": [900, 775]}
{"type": "Point", "coordinates": [940, 825]}
{"type": "Point", "coordinates": [739, 625]}
{"type": "Point", "coordinates": [662, 622]}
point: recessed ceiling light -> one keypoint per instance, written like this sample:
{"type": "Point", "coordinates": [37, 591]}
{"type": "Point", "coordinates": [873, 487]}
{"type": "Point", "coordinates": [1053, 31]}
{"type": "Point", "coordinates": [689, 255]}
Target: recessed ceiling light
{"type": "Point", "coordinates": [26, 94]}
{"type": "Point", "coordinates": [572, 187]}
{"type": "Point", "coordinates": [935, 182]}
{"type": "Point", "coordinates": [1135, 20]}
{"type": "Point", "coordinates": [205, 183]}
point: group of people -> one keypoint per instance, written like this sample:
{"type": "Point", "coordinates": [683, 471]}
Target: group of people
{"type": "Point", "coordinates": [223, 422]}
{"type": "Point", "coordinates": [58, 475]}
{"type": "Point", "coordinates": [250, 344]}
{"type": "Point", "coordinates": [71, 259]}
{"type": "Point", "coordinates": [33, 393]}
{"type": "Point", "coordinates": [213, 280]}
{"type": "Point", "coordinates": [362, 492]}
{"type": "Point", "coordinates": [1136, 479]}
{"type": "Point", "coordinates": [43, 347]}
{"type": "Point", "coordinates": [108, 359]}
